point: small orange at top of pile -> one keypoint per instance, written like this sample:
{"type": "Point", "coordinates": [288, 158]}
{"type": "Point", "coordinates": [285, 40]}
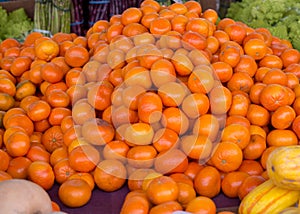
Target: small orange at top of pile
{"type": "Point", "coordinates": [169, 100]}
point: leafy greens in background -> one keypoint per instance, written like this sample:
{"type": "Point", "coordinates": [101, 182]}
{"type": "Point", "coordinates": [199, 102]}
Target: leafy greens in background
{"type": "Point", "coordinates": [15, 24]}
{"type": "Point", "coordinates": [281, 17]}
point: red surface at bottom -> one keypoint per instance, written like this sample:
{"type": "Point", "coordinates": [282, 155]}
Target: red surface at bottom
{"type": "Point", "coordinates": [110, 203]}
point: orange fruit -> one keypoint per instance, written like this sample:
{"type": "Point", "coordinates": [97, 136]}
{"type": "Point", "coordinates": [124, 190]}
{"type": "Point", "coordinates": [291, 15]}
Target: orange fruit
{"type": "Point", "coordinates": [236, 133]}
{"type": "Point", "coordinates": [231, 183]}
{"type": "Point", "coordinates": [141, 156]}
{"type": "Point", "coordinates": [84, 158]}
{"type": "Point", "coordinates": [62, 170]}
{"type": "Point", "coordinates": [87, 177]}
{"type": "Point", "coordinates": [76, 56]}
{"type": "Point", "coordinates": [175, 119]}
{"type": "Point", "coordinates": [149, 107]}
{"type": "Point", "coordinates": [18, 144]}
{"type": "Point", "coordinates": [201, 204]}
{"type": "Point", "coordinates": [110, 175]}
{"type": "Point", "coordinates": [165, 139]}
{"type": "Point", "coordinates": [135, 202]}
{"type": "Point", "coordinates": [255, 148]}
{"type": "Point", "coordinates": [5, 159]}
{"type": "Point", "coordinates": [131, 15]}
{"type": "Point", "coordinates": [171, 161]}
{"type": "Point", "coordinates": [139, 133]}
{"type": "Point", "coordinates": [227, 156]}
{"type": "Point", "coordinates": [196, 146]}
{"type": "Point", "coordinates": [186, 193]}
{"type": "Point", "coordinates": [192, 169]}
{"type": "Point", "coordinates": [172, 93]}
{"type": "Point", "coordinates": [251, 167]}
{"type": "Point", "coordinates": [116, 149]}
{"type": "Point", "coordinates": [162, 189]}
{"type": "Point", "coordinates": [5, 176]}
{"type": "Point", "coordinates": [195, 104]}
{"type": "Point", "coordinates": [220, 99]}
{"type": "Point", "coordinates": [207, 125]}
{"type": "Point", "coordinates": [41, 173]}
{"type": "Point", "coordinates": [166, 207]}
{"type": "Point", "coordinates": [160, 26]}
{"type": "Point", "coordinates": [136, 178]}
{"type": "Point", "coordinates": [46, 49]}
{"type": "Point", "coordinates": [74, 192]}
{"type": "Point", "coordinates": [20, 65]}
{"type": "Point", "coordinates": [208, 182]}
{"type": "Point", "coordinates": [248, 184]}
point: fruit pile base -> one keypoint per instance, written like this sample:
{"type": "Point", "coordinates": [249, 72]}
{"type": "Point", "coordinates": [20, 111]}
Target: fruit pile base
{"type": "Point", "coordinates": [111, 202]}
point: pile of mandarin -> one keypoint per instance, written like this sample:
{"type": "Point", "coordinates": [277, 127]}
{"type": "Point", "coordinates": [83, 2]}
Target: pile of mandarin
{"type": "Point", "coordinates": [171, 101]}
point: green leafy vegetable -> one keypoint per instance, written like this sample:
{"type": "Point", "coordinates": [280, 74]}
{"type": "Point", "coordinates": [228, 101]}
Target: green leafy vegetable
{"type": "Point", "coordinates": [15, 24]}
{"type": "Point", "coordinates": [281, 17]}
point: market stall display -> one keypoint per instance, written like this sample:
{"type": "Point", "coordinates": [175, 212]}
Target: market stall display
{"type": "Point", "coordinates": [158, 108]}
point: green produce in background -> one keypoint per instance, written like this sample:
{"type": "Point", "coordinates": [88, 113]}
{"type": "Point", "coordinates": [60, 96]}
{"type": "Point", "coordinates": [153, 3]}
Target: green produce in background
{"type": "Point", "coordinates": [42, 13]}
{"type": "Point", "coordinates": [281, 17]}
{"type": "Point", "coordinates": [15, 24]}
{"type": "Point", "coordinates": [61, 16]}
{"type": "Point", "coordinates": [52, 16]}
